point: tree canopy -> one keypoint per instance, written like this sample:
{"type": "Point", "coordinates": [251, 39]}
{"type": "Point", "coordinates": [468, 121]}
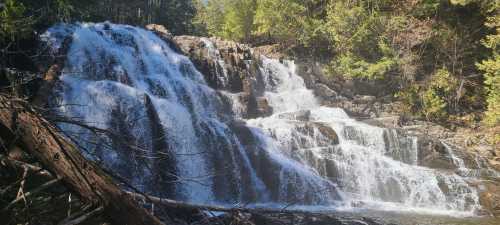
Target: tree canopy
{"type": "Point", "coordinates": [408, 44]}
{"type": "Point", "coordinates": [405, 43]}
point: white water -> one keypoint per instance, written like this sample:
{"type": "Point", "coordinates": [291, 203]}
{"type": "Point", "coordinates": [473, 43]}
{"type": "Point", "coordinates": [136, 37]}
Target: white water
{"type": "Point", "coordinates": [480, 168]}
{"type": "Point", "coordinates": [367, 170]}
{"type": "Point", "coordinates": [112, 70]}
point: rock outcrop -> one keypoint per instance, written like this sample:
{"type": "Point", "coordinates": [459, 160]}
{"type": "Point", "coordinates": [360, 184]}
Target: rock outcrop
{"type": "Point", "coordinates": [232, 69]}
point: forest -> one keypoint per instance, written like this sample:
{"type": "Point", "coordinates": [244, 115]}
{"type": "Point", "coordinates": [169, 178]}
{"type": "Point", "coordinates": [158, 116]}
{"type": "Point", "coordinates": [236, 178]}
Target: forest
{"type": "Point", "coordinates": [288, 102]}
{"type": "Point", "coordinates": [439, 57]}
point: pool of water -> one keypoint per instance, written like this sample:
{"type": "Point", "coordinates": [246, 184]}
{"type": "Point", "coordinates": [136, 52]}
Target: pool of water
{"type": "Point", "coordinates": [421, 219]}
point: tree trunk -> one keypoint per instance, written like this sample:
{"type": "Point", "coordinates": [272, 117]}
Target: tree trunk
{"type": "Point", "coordinates": [22, 125]}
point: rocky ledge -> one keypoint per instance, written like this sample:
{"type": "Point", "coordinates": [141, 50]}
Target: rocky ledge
{"type": "Point", "coordinates": [360, 99]}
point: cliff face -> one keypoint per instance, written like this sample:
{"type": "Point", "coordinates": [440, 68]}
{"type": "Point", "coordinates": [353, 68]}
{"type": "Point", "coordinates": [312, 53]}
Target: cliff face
{"type": "Point", "coordinates": [231, 67]}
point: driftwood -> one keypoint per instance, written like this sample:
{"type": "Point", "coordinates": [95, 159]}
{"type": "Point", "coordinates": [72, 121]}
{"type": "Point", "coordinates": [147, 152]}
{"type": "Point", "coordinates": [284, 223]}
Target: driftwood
{"type": "Point", "coordinates": [21, 125]}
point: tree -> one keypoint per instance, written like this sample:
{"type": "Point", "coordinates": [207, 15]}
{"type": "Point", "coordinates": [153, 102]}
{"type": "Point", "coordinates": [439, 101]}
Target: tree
{"type": "Point", "coordinates": [239, 17]}
{"type": "Point", "coordinates": [211, 16]}
{"type": "Point", "coordinates": [491, 69]}
{"type": "Point", "coordinates": [279, 19]}
{"type": "Point", "coordinates": [13, 23]}
{"type": "Point", "coordinates": [358, 31]}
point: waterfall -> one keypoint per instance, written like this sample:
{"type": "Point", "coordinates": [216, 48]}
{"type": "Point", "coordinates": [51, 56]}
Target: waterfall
{"type": "Point", "coordinates": [172, 135]}
{"type": "Point", "coordinates": [373, 166]}
{"type": "Point", "coordinates": [479, 168]}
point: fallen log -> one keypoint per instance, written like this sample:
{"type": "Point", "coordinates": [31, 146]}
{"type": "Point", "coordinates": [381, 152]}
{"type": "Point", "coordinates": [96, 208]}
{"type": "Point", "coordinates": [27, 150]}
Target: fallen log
{"type": "Point", "coordinates": [173, 204]}
{"type": "Point", "coordinates": [20, 124]}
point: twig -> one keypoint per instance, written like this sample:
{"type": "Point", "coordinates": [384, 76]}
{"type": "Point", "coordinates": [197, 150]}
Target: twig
{"type": "Point", "coordinates": [22, 165]}
{"type": "Point", "coordinates": [83, 218]}
{"type": "Point", "coordinates": [34, 191]}
{"type": "Point", "coordinates": [20, 193]}
{"type": "Point", "coordinates": [32, 168]}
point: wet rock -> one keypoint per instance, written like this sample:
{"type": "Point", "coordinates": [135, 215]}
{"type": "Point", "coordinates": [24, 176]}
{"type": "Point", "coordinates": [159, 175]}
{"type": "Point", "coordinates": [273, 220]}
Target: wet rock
{"type": "Point", "coordinates": [324, 91]}
{"type": "Point", "coordinates": [312, 73]}
{"type": "Point", "coordinates": [323, 135]}
{"type": "Point", "coordinates": [259, 107]}
{"type": "Point", "coordinates": [244, 134]}
{"type": "Point", "coordinates": [303, 115]}
{"type": "Point", "coordinates": [164, 34]}
{"type": "Point", "coordinates": [160, 30]}
{"type": "Point", "coordinates": [433, 154]}
{"type": "Point", "coordinates": [265, 220]}
{"type": "Point", "coordinates": [225, 64]}
{"type": "Point", "coordinates": [328, 132]}
{"type": "Point", "coordinates": [229, 66]}
{"type": "Point", "coordinates": [490, 197]}
{"type": "Point", "coordinates": [386, 122]}
{"type": "Point", "coordinates": [495, 163]}
{"type": "Point", "coordinates": [163, 169]}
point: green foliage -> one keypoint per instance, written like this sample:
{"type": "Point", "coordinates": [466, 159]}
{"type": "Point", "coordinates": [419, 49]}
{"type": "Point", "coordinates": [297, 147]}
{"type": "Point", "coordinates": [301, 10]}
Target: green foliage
{"type": "Point", "coordinates": [13, 23]}
{"type": "Point", "coordinates": [281, 19]}
{"type": "Point", "coordinates": [358, 32]}
{"type": "Point", "coordinates": [426, 48]}
{"type": "Point", "coordinates": [22, 20]}
{"type": "Point", "coordinates": [433, 98]}
{"type": "Point", "coordinates": [350, 26]}
{"type": "Point", "coordinates": [64, 10]}
{"type": "Point", "coordinates": [491, 67]}
{"type": "Point", "coordinates": [285, 21]}
{"type": "Point", "coordinates": [462, 2]}
{"type": "Point", "coordinates": [228, 19]}
{"type": "Point", "coordinates": [434, 107]}
{"type": "Point", "coordinates": [211, 16]}
{"type": "Point", "coordinates": [176, 15]}
{"type": "Point", "coordinates": [354, 67]}
{"type": "Point", "coordinates": [239, 17]}
{"type": "Point", "coordinates": [440, 95]}
{"type": "Point", "coordinates": [410, 97]}
{"type": "Point", "coordinates": [491, 70]}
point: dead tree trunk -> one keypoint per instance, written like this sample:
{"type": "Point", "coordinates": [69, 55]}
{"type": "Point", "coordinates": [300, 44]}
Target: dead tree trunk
{"type": "Point", "coordinates": [21, 124]}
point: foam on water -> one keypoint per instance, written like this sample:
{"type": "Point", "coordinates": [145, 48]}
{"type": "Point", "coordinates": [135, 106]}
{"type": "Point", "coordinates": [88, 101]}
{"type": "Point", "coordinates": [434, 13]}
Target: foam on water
{"type": "Point", "coordinates": [374, 167]}
{"type": "Point", "coordinates": [128, 80]}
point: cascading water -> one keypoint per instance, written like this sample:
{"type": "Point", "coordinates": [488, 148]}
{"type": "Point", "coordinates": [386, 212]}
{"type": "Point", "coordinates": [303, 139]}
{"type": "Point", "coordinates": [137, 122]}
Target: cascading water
{"type": "Point", "coordinates": [173, 137]}
{"type": "Point", "coordinates": [479, 168]}
{"type": "Point", "coordinates": [374, 167]}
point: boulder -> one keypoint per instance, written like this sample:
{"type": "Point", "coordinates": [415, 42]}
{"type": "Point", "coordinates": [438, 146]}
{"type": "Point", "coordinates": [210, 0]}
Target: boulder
{"type": "Point", "coordinates": [258, 107]}
{"type": "Point", "coordinates": [324, 91]}
{"type": "Point", "coordinates": [328, 132]}
{"type": "Point", "coordinates": [433, 154]}
{"type": "Point", "coordinates": [164, 34]}
{"type": "Point", "coordinates": [303, 115]}
{"type": "Point", "coordinates": [386, 122]}
{"type": "Point", "coordinates": [490, 197]}
{"type": "Point", "coordinates": [160, 30]}
{"type": "Point", "coordinates": [364, 99]}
